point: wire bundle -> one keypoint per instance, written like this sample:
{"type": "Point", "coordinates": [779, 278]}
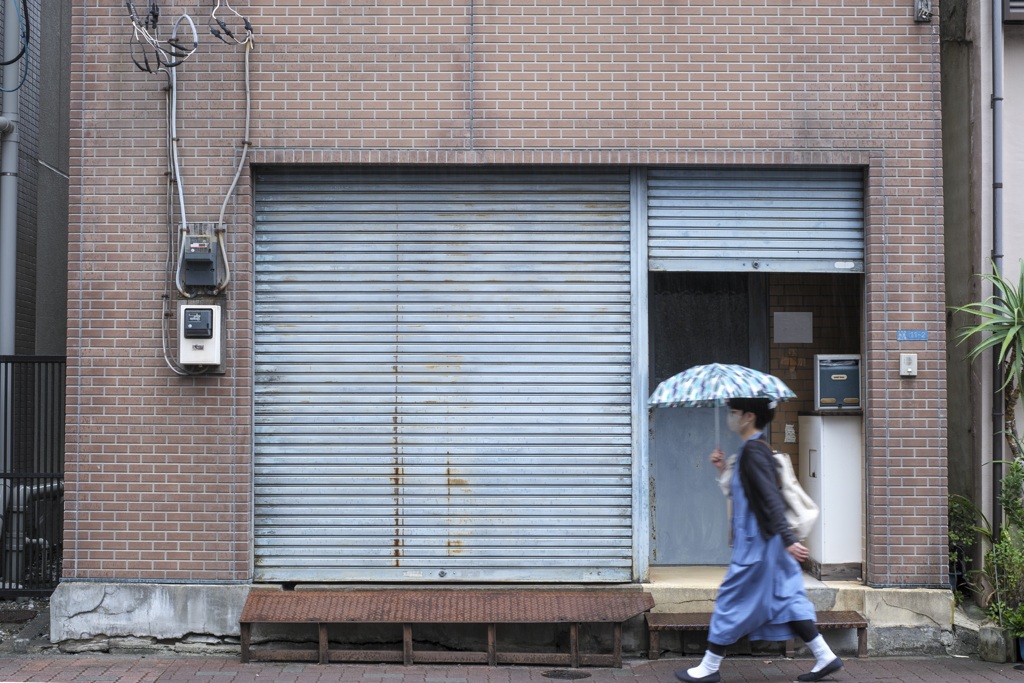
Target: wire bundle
{"type": "Point", "coordinates": [145, 41]}
{"type": "Point", "coordinates": [219, 28]}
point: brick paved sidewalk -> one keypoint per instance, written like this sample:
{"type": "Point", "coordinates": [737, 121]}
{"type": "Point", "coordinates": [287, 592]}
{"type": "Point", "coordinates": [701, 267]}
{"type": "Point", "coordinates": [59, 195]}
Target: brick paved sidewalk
{"type": "Point", "coordinates": [158, 668]}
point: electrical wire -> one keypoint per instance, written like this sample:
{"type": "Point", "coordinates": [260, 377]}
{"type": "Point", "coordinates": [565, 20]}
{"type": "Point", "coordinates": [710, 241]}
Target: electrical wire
{"type": "Point", "coordinates": [24, 76]}
{"type": "Point", "coordinates": [26, 31]}
{"type": "Point", "coordinates": [26, 35]}
{"type": "Point", "coordinates": [221, 31]}
{"type": "Point", "coordinates": [168, 53]}
{"type": "Point", "coordinates": [175, 171]}
{"type": "Point", "coordinates": [169, 263]}
{"type": "Point", "coordinates": [221, 228]}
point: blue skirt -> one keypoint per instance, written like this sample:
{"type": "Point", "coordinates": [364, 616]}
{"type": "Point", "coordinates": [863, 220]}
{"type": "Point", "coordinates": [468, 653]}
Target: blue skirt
{"type": "Point", "coordinates": [763, 589]}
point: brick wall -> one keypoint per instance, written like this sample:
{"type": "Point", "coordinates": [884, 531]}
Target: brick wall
{"type": "Point", "coordinates": [158, 466]}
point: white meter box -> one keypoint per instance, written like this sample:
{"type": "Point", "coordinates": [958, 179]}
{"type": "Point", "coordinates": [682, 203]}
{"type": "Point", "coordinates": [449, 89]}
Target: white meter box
{"type": "Point", "coordinates": [199, 334]}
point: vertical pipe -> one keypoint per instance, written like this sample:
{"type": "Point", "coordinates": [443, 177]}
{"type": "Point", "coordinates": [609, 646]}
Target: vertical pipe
{"type": "Point", "coordinates": [10, 105]}
{"type": "Point", "coordinates": [9, 109]}
{"type": "Point", "coordinates": [997, 247]}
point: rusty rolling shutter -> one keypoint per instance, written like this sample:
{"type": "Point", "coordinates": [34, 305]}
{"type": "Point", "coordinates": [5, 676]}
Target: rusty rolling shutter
{"type": "Point", "coordinates": [442, 387]}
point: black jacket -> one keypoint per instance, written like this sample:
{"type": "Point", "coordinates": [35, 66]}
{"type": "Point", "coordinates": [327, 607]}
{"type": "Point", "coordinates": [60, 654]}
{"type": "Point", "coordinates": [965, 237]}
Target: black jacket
{"type": "Point", "coordinates": [761, 486]}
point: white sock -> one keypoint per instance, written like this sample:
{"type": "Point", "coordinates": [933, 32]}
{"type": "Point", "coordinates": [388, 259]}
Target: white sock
{"type": "Point", "coordinates": [821, 651]}
{"type": "Point", "coordinates": [707, 666]}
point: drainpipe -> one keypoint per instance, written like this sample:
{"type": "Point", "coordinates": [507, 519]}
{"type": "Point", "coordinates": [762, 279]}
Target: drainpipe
{"type": "Point", "coordinates": [9, 144]}
{"type": "Point", "coordinates": [9, 112]}
{"type": "Point", "coordinates": [997, 245]}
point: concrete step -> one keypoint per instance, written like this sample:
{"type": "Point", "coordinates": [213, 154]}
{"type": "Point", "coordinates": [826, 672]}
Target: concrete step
{"type": "Point", "coordinates": [693, 589]}
{"type": "Point", "coordinates": [903, 621]}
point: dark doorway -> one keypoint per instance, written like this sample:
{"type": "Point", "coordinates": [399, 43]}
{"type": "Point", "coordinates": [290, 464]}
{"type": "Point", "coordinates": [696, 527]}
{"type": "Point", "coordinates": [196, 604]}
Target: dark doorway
{"type": "Point", "coordinates": [696, 318]}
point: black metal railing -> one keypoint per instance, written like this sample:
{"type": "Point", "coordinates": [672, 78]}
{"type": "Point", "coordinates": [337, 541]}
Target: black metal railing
{"type": "Point", "coordinates": [31, 474]}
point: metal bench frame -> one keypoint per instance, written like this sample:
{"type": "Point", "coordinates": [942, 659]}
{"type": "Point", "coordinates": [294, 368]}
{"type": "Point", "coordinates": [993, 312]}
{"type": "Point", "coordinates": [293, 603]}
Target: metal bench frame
{"type": "Point", "coordinates": [408, 608]}
{"type": "Point", "coordinates": [657, 622]}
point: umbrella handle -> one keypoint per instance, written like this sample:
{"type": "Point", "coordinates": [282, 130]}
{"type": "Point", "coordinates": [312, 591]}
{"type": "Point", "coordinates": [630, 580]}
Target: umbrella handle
{"type": "Point", "coordinates": [718, 432]}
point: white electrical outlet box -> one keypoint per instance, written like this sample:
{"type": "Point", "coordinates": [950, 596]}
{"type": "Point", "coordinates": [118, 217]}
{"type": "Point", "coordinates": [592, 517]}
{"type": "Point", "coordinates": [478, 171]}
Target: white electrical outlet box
{"type": "Point", "coordinates": [199, 334]}
{"type": "Point", "coordinates": [908, 365]}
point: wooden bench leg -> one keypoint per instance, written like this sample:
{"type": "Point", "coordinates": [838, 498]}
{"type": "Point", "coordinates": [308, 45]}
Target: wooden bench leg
{"type": "Point", "coordinates": [492, 647]}
{"type": "Point", "coordinates": [617, 644]}
{"type": "Point", "coordinates": [574, 645]}
{"type": "Point", "coordinates": [862, 642]}
{"type": "Point", "coordinates": [322, 656]}
{"type": "Point", "coordinates": [789, 648]}
{"type": "Point", "coordinates": [407, 644]}
{"type": "Point", "coordinates": [246, 636]}
{"type": "Point", "coordinates": [653, 645]}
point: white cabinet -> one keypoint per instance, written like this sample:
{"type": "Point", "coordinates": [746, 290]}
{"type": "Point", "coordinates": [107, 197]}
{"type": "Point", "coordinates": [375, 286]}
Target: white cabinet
{"type": "Point", "coordinates": [832, 473]}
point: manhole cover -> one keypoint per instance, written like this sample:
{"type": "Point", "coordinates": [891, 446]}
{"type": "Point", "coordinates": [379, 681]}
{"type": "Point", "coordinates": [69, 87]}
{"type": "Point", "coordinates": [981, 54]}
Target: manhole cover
{"type": "Point", "coordinates": [16, 616]}
{"type": "Point", "coordinates": [566, 674]}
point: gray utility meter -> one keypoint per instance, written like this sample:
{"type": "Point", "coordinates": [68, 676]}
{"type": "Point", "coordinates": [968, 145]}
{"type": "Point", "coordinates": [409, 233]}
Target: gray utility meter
{"type": "Point", "coordinates": [200, 255]}
{"type": "Point", "coordinates": [199, 334]}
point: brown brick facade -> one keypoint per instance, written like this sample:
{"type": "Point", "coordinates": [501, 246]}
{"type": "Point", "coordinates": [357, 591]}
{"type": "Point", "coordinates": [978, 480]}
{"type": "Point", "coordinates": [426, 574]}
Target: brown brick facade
{"type": "Point", "coordinates": [159, 467]}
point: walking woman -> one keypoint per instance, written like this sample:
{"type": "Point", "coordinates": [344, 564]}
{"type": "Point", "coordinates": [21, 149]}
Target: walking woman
{"type": "Point", "coordinates": [762, 596]}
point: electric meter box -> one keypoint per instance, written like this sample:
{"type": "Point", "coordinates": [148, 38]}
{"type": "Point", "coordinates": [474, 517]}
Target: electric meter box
{"type": "Point", "coordinates": [837, 382]}
{"type": "Point", "coordinates": [199, 334]}
{"type": "Point", "coordinates": [200, 257]}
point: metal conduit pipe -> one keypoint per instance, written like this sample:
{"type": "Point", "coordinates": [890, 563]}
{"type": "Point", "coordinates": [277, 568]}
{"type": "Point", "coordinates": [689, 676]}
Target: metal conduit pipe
{"type": "Point", "coordinates": [997, 249]}
{"type": "Point", "coordinates": [10, 105]}
{"type": "Point", "coordinates": [9, 150]}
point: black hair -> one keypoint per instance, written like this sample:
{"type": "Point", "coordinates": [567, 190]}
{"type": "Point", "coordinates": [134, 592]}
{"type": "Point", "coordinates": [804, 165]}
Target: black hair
{"type": "Point", "coordinates": [760, 407]}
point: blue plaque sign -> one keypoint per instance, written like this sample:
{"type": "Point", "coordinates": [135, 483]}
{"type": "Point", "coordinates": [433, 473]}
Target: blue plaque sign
{"type": "Point", "coordinates": [912, 335]}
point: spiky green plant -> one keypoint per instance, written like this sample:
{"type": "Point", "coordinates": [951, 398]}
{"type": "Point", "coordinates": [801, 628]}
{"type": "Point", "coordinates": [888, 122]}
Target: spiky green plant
{"type": "Point", "coordinates": [1001, 328]}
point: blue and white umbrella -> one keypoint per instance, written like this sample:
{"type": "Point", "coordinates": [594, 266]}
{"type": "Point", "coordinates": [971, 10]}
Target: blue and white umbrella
{"type": "Point", "coordinates": [714, 384]}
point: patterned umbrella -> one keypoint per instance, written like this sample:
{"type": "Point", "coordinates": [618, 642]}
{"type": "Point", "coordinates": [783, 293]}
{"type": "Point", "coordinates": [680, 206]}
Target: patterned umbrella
{"type": "Point", "coordinates": [714, 384]}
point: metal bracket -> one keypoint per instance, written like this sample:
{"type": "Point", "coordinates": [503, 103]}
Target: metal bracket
{"type": "Point", "coordinates": [922, 11]}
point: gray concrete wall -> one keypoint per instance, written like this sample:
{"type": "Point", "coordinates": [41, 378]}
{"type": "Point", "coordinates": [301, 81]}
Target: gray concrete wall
{"type": "Point", "coordinates": [112, 616]}
{"type": "Point", "coordinates": [84, 611]}
{"type": "Point", "coordinates": [962, 227]}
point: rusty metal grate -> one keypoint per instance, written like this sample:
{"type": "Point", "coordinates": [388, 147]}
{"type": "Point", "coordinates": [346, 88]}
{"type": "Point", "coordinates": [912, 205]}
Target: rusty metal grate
{"type": "Point", "coordinates": [457, 606]}
{"type": "Point", "coordinates": [444, 606]}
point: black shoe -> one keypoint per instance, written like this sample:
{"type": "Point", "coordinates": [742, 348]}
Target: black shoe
{"type": "Point", "coordinates": [830, 668]}
{"type": "Point", "coordinates": [713, 677]}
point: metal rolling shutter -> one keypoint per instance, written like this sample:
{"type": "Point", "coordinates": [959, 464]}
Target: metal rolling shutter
{"type": "Point", "coordinates": [442, 387]}
{"type": "Point", "coordinates": [756, 219]}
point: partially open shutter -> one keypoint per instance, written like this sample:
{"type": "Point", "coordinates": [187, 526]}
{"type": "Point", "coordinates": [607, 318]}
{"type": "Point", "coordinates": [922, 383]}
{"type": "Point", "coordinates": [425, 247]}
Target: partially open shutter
{"type": "Point", "coordinates": [756, 220]}
{"type": "Point", "coordinates": [442, 375]}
